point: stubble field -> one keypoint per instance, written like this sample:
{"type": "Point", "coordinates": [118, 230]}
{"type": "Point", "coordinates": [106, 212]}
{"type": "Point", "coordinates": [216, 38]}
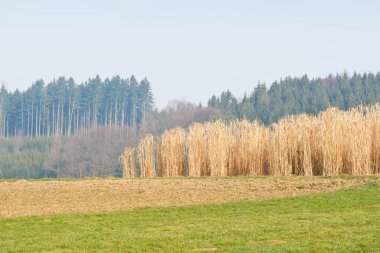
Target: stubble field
{"type": "Point", "coordinates": [239, 214]}
{"type": "Point", "coordinates": [30, 198]}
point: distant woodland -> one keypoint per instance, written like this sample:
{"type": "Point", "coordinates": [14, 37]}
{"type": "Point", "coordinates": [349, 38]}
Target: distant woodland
{"type": "Point", "coordinates": [63, 107]}
{"type": "Point", "coordinates": [292, 96]}
{"type": "Point", "coordinates": [65, 129]}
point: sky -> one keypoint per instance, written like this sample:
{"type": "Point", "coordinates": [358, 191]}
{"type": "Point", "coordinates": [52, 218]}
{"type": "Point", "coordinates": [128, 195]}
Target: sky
{"type": "Point", "coordinates": [188, 50]}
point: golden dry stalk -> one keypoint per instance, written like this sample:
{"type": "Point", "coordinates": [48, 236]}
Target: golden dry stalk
{"type": "Point", "coordinates": [332, 143]}
{"type": "Point", "coordinates": [198, 159]}
{"type": "Point", "coordinates": [146, 155]}
{"type": "Point", "coordinates": [171, 157]}
{"type": "Point", "coordinates": [128, 162]}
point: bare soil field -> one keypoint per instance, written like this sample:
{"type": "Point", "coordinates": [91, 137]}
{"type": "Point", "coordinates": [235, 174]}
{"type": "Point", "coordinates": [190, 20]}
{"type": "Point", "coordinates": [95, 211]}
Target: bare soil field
{"type": "Point", "coordinates": [27, 198]}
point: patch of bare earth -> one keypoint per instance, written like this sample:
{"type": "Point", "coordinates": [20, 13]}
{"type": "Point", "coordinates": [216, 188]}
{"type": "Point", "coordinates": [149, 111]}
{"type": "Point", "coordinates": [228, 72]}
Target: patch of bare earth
{"type": "Point", "coordinates": [24, 198]}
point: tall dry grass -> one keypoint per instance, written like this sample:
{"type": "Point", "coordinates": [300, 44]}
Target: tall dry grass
{"type": "Point", "coordinates": [332, 143]}
{"type": "Point", "coordinates": [171, 153]}
{"type": "Point", "coordinates": [248, 148]}
{"type": "Point", "coordinates": [128, 162]}
{"type": "Point", "coordinates": [197, 151]}
{"type": "Point", "coordinates": [146, 154]}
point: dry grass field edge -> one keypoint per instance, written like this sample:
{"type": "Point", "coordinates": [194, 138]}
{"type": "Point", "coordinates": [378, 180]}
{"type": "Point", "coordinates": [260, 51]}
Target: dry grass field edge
{"type": "Point", "coordinates": [331, 143]}
{"type": "Point", "coordinates": [30, 198]}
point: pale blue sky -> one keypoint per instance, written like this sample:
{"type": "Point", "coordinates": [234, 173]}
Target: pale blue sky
{"type": "Point", "coordinates": [187, 49]}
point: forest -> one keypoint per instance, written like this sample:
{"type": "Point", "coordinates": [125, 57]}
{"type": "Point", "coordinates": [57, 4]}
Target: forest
{"type": "Point", "coordinates": [63, 107]}
{"type": "Point", "coordinates": [64, 129]}
{"type": "Point", "coordinates": [293, 96]}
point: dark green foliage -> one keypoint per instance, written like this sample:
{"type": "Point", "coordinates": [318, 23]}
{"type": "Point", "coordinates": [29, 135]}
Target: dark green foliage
{"type": "Point", "coordinates": [300, 95]}
{"type": "Point", "coordinates": [63, 107]}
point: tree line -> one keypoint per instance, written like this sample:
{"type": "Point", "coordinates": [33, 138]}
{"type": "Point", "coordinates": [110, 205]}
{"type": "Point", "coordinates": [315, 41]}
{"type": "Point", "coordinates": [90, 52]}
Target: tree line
{"type": "Point", "coordinates": [64, 129]}
{"type": "Point", "coordinates": [292, 96]}
{"type": "Point", "coordinates": [93, 153]}
{"type": "Point", "coordinates": [63, 107]}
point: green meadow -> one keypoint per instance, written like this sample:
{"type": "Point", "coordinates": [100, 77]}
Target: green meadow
{"type": "Point", "coordinates": [344, 221]}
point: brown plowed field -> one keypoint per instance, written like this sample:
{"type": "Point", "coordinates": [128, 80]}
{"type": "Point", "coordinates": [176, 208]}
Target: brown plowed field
{"type": "Point", "coordinates": [24, 198]}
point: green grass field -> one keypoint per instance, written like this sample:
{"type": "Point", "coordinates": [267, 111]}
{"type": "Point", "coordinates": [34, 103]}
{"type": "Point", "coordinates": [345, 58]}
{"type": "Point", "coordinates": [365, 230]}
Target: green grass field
{"type": "Point", "coordinates": [343, 221]}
